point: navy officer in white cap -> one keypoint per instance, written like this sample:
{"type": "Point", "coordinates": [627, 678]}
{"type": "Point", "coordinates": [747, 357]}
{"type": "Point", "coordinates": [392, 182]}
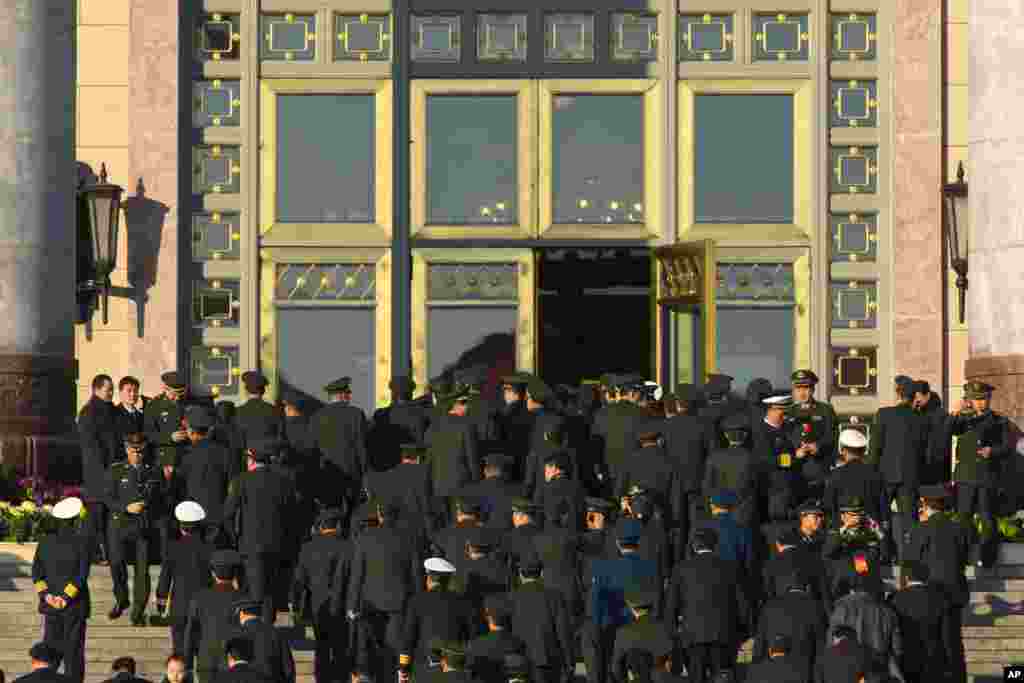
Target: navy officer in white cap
{"type": "Point", "coordinates": [435, 612]}
{"type": "Point", "coordinates": [185, 570]}
{"type": "Point", "coordinates": [60, 573]}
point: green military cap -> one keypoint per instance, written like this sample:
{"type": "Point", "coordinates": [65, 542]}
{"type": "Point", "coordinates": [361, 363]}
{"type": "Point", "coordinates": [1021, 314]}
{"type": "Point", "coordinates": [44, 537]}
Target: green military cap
{"type": "Point", "coordinates": [135, 440]}
{"type": "Point", "coordinates": [254, 380]}
{"type": "Point", "coordinates": [851, 504]}
{"type": "Point", "coordinates": [641, 595]}
{"type": "Point", "coordinates": [524, 505]}
{"type": "Point", "coordinates": [167, 455]}
{"type": "Point", "coordinates": [339, 386]}
{"type": "Point", "coordinates": [605, 379]}
{"type": "Point", "coordinates": [803, 378]}
{"type": "Point", "coordinates": [459, 393]}
{"type": "Point", "coordinates": [517, 379]}
{"type": "Point", "coordinates": [978, 390]}
{"type": "Point", "coordinates": [173, 380]}
{"type": "Point", "coordinates": [413, 450]}
{"type": "Point", "coordinates": [538, 390]}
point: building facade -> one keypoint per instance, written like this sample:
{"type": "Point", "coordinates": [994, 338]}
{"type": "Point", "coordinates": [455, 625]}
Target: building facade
{"type": "Point", "coordinates": [321, 188]}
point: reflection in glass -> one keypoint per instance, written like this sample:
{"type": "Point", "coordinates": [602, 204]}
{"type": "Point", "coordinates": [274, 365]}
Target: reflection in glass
{"type": "Point", "coordinates": [743, 159]}
{"type": "Point", "coordinates": [325, 158]}
{"type": "Point", "coordinates": [471, 160]}
{"type": "Point", "coordinates": [462, 337]}
{"type": "Point", "coordinates": [598, 165]}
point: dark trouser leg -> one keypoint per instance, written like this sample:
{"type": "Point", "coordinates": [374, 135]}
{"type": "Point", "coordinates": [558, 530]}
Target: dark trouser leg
{"type": "Point", "coordinates": [67, 633]}
{"type": "Point", "coordinates": [96, 528]}
{"type": "Point", "coordinates": [594, 641]}
{"type": "Point", "coordinates": [177, 626]}
{"type": "Point", "coordinates": [965, 498]}
{"type": "Point", "coordinates": [721, 657]}
{"type": "Point", "coordinates": [140, 582]}
{"type": "Point", "coordinates": [699, 662]}
{"type": "Point", "coordinates": [958, 667]}
{"type": "Point", "coordinates": [260, 573]}
{"type": "Point", "coordinates": [118, 566]}
{"type": "Point", "coordinates": [546, 674]}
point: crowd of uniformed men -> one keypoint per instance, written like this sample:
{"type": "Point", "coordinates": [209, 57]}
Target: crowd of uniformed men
{"type": "Point", "coordinates": [504, 538]}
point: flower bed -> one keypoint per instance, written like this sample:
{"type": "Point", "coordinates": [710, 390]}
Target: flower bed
{"type": "Point", "coordinates": [27, 515]}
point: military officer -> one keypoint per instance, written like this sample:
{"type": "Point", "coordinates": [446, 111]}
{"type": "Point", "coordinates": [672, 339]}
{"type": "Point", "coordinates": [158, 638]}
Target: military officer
{"type": "Point", "coordinates": [686, 438]}
{"type": "Point", "coordinates": [338, 431]}
{"type": "Point", "coordinates": [852, 477]}
{"type": "Point", "coordinates": [481, 571]}
{"type": "Point", "coordinates": [257, 419]}
{"type": "Point", "coordinates": [170, 491]}
{"type": "Point", "coordinates": [644, 632]}
{"type": "Point", "coordinates": [271, 653]}
{"type": "Point", "coordinates": [453, 450]}
{"type": "Point", "coordinates": [818, 434]}
{"type": "Point", "coordinates": [810, 525]}
{"type": "Point", "coordinates": [654, 539]}
{"type": "Point", "coordinates": [797, 614]}
{"type": "Point", "coordinates": [408, 486]}
{"type": "Point", "coordinates": [855, 549]}
{"type": "Point", "coordinates": [735, 468]}
{"type": "Point", "coordinates": [483, 411]}
{"type": "Point", "coordinates": [185, 570]}
{"type": "Point", "coordinates": [60, 574]}
{"type": "Point", "coordinates": [540, 618]}
{"type": "Point", "coordinates": [943, 546]}
{"type": "Point", "coordinates": [131, 491]}
{"type": "Point", "coordinates": [923, 610]}
{"type": "Point", "coordinates": [596, 541]}
{"type": "Point", "coordinates": [655, 473]}
{"type": "Point", "coordinates": [209, 468]}
{"type": "Point", "coordinates": [486, 654]}
{"type": "Point", "coordinates": [317, 568]}
{"type": "Point", "coordinates": [516, 422]}
{"type": "Point", "coordinates": [495, 491]}
{"type": "Point", "coordinates": [404, 421]}
{"type": "Point", "coordinates": [435, 612]}
{"type": "Point", "coordinates": [983, 442]}
{"type": "Point", "coordinates": [210, 620]}
{"type": "Point", "coordinates": [777, 448]}
{"type": "Point", "coordinates": [719, 404]}
{"type": "Point", "coordinates": [561, 497]}
{"type": "Point", "coordinates": [261, 505]}
{"type": "Point", "coordinates": [518, 541]}
{"type": "Point", "coordinates": [622, 423]}
{"type": "Point", "coordinates": [164, 415]}
{"type": "Point", "coordinates": [795, 558]}
{"type": "Point", "coordinates": [733, 542]}
{"type": "Point", "coordinates": [45, 660]}
{"type": "Point", "coordinates": [547, 434]}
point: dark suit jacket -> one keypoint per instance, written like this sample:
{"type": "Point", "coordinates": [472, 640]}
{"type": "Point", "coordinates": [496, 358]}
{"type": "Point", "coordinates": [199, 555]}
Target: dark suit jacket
{"type": "Point", "coordinates": [242, 673]}
{"type": "Point", "coordinates": [899, 440]}
{"type": "Point", "coordinates": [319, 565]}
{"type": "Point", "coordinates": [928, 649]}
{"type": "Point", "coordinates": [944, 546]}
{"type": "Point", "coordinates": [264, 501]}
{"type": "Point", "coordinates": [271, 653]}
{"type": "Point", "coordinates": [856, 479]}
{"type": "Point", "coordinates": [644, 633]}
{"type": "Point", "coordinates": [541, 619]}
{"type": "Point", "coordinates": [386, 571]}
{"type": "Point", "coordinates": [801, 617]}
{"type": "Point", "coordinates": [207, 470]}
{"type": "Point", "coordinates": [686, 439]}
{"type": "Point", "coordinates": [47, 675]}
{"type": "Point", "coordinates": [257, 420]}
{"type": "Point", "coordinates": [808, 563]}
{"type": "Point", "coordinates": [706, 596]}
{"type": "Point", "coordinates": [843, 663]}
{"type": "Point", "coordinates": [338, 430]}
{"type": "Point", "coordinates": [485, 655]}
{"type": "Point", "coordinates": [101, 445]}
{"type": "Point", "coordinates": [452, 454]}
{"type": "Point", "coordinates": [61, 567]}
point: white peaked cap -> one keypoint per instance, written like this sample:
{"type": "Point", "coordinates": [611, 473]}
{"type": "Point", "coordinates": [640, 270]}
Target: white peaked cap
{"type": "Point", "coordinates": [69, 508]}
{"type": "Point", "coordinates": [853, 438]}
{"type": "Point", "coordinates": [438, 565]}
{"type": "Point", "coordinates": [189, 512]}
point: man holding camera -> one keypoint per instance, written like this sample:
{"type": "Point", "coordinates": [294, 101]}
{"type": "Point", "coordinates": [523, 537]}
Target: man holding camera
{"type": "Point", "coordinates": [130, 488]}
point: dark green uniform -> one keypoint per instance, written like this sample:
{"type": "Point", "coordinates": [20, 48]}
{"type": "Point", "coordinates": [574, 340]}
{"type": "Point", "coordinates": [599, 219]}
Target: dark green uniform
{"type": "Point", "coordinates": [822, 430]}
{"type": "Point", "coordinates": [127, 484]}
{"type": "Point", "coordinates": [977, 478]}
{"type": "Point", "coordinates": [211, 621]}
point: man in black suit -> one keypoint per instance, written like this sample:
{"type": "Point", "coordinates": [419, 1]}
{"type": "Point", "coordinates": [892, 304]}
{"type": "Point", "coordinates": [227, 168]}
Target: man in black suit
{"type": "Point", "coordinates": [943, 546]}
{"type": "Point", "coordinates": [541, 619]}
{"type": "Point", "coordinates": [338, 431]}
{"type": "Point", "coordinates": [707, 601]}
{"type": "Point", "coordinates": [208, 469]}
{"type": "Point", "coordinates": [798, 616]}
{"type": "Point", "coordinates": [686, 438]}
{"type": "Point", "coordinates": [898, 444]}
{"type": "Point", "coordinates": [791, 558]}
{"type": "Point", "coordinates": [257, 419]}
{"type": "Point", "coordinates": [131, 407]}
{"type": "Point", "coordinates": [185, 569]}
{"type": "Point", "coordinates": [923, 609]}
{"type": "Point", "coordinates": [271, 653]}
{"type": "Point", "coordinates": [264, 501]}
{"type": "Point", "coordinates": [101, 447]}
{"type": "Point", "coordinates": [402, 422]}
{"type": "Point", "coordinates": [45, 662]}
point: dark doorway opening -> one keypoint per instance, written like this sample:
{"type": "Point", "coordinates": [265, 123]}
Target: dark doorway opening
{"type": "Point", "coordinates": [594, 313]}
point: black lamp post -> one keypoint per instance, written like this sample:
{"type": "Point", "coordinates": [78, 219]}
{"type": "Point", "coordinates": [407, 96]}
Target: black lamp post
{"type": "Point", "coordinates": [957, 231]}
{"type": "Point", "coordinates": [102, 202]}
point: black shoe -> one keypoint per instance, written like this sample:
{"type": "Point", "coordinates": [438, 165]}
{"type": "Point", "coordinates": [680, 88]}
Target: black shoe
{"type": "Point", "coordinates": [117, 611]}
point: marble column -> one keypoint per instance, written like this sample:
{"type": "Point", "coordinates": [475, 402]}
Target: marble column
{"type": "Point", "coordinates": [995, 175]}
{"type": "Point", "coordinates": [38, 178]}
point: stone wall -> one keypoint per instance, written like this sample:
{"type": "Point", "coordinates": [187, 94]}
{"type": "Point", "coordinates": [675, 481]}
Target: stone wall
{"type": "Point", "coordinates": [955, 132]}
{"type": "Point", "coordinates": [127, 89]}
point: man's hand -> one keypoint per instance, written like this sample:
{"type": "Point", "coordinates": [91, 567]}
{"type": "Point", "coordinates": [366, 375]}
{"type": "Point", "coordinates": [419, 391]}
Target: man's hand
{"type": "Point", "coordinates": [179, 436]}
{"type": "Point", "coordinates": [801, 452]}
{"type": "Point", "coordinates": [291, 411]}
{"type": "Point", "coordinates": [812, 448]}
{"type": "Point", "coordinates": [135, 508]}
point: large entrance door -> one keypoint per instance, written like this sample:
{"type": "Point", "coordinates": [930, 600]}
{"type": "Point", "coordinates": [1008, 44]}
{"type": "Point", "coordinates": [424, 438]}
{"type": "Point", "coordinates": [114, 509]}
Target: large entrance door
{"type": "Point", "coordinates": [686, 306]}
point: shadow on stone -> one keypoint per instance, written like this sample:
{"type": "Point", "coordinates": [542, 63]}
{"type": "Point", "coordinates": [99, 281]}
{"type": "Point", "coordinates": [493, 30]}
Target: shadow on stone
{"type": "Point", "coordinates": [144, 226]}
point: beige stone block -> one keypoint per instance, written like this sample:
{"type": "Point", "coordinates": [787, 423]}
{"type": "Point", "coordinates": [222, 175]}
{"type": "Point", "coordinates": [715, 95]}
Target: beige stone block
{"type": "Point", "coordinates": [103, 119]}
{"type": "Point", "coordinates": [104, 12]}
{"type": "Point", "coordinates": [956, 54]}
{"type": "Point", "coordinates": [103, 53]}
{"type": "Point", "coordinates": [956, 115]}
{"type": "Point", "coordinates": [958, 354]}
{"type": "Point", "coordinates": [956, 11]}
{"type": "Point", "coordinates": [955, 155]}
{"type": "Point", "coordinates": [118, 163]}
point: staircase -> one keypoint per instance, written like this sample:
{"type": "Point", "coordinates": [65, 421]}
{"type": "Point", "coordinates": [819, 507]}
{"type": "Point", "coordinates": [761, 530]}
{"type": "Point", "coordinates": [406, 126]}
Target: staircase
{"type": "Point", "coordinates": [993, 632]}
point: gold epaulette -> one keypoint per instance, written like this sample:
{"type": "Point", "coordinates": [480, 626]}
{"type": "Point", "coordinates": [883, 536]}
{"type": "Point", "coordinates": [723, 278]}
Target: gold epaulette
{"type": "Point", "coordinates": [41, 586]}
{"type": "Point", "coordinates": [71, 590]}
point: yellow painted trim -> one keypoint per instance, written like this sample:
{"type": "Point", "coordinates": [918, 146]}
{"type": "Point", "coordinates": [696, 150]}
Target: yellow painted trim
{"type": "Point", "coordinates": [41, 586]}
{"type": "Point", "coordinates": [340, 234]}
{"type": "Point", "coordinates": [270, 257]}
{"type": "Point", "coordinates": [526, 161]}
{"type": "Point", "coordinates": [71, 590]}
{"type": "Point", "coordinates": [710, 306]}
{"type": "Point", "coordinates": [804, 162]}
{"type": "Point", "coordinates": [526, 338]}
{"type": "Point", "coordinates": [654, 151]}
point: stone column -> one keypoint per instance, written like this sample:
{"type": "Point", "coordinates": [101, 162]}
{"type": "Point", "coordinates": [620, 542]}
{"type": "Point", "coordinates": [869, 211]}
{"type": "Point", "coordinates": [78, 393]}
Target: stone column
{"type": "Point", "coordinates": [38, 178]}
{"type": "Point", "coordinates": [995, 174]}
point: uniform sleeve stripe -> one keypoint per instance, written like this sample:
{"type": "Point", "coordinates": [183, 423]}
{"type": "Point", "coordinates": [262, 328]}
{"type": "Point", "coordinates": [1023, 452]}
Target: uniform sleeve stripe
{"type": "Point", "coordinates": [41, 586]}
{"type": "Point", "coordinates": [71, 590]}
